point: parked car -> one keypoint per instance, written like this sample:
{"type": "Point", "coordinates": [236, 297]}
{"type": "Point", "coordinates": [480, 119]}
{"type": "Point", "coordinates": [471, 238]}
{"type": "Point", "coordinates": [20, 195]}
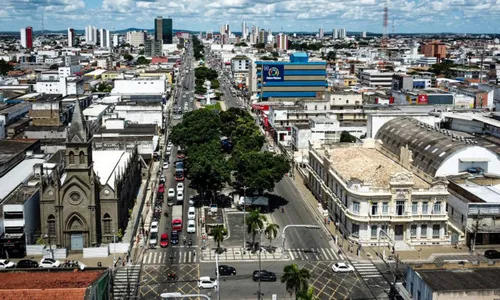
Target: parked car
{"type": "Point", "coordinates": [27, 263]}
{"type": "Point", "coordinates": [49, 263]}
{"type": "Point", "coordinates": [165, 165]}
{"type": "Point", "coordinates": [171, 193]}
{"type": "Point", "coordinates": [191, 213]}
{"type": "Point", "coordinates": [180, 195]}
{"type": "Point", "coordinates": [180, 186]}
{"type": "Point", "coordinates": [206, 282]}
{"type": "Point", "coordinates": [492, 254]}
{"type": "Point", "coordinates": [154, 226]}
{"type": "Point", "coordinates": [6, 264]}
{"type": "Point", "coordinates": [164, 240]}
{"type": "Point", "coordinates": [225, 270]}
{"type": "Point", "coordinates": [174, 237]}
{"type": "Point", "coordinates": [342, 268]}
{"type": "Point", "coordinates": [191, 227]}
{"type": "Point", "coordinates": [264, 275]}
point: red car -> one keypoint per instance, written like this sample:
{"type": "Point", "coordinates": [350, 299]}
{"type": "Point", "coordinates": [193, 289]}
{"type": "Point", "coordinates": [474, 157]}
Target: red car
{"type": "Point", "coordinates": [164, 240]}
{"type": "Point", "coordinates": [161, 188]}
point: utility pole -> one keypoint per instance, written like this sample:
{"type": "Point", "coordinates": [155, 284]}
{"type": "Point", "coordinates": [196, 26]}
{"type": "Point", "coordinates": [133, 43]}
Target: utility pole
{"type": "Point", "coordinates": [244, 218]}
{"type": "Point", "coordinates": [259, 294]}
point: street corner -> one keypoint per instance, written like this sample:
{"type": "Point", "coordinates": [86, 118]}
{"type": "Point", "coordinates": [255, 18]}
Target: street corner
{"type": "Point", "coordinates": [155, 280]}
{"type": "Point", "coordinates": [330, 285]}
{"type": "Point", "coordinates": [236, 229]}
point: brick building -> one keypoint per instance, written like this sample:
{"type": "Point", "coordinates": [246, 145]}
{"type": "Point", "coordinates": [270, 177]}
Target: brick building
{"type": "Point", "coordinates": [434, 49]}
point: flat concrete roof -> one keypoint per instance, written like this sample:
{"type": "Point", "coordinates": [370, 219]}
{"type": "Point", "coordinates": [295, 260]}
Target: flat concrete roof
{"type": "Point", "coordinates": [489, 194]}
{"type": "Point", "coordinates": [16, 176]}
{"type": "Point", "coordinates": [367, 165]}
{"type": "Point", "coordinates": [107, 164]}
{"type": "Point", "coordinates": [462, 279]}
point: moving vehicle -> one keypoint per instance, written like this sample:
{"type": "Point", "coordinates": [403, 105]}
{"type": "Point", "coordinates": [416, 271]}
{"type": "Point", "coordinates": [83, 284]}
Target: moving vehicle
{"type": "Point", "coordinates": [153, 238]}
{"type": "Point", "coordinates": [191, 228]}
{"type": "Point", "coordinates": [180, 196]}
{"type": "Point", "coordinates": [6, 264]}
{"type": "Point", "coordinates": [342, 268]}
{"type": "Point", "coordinates": [263, 275]}
{"type": "Point", "coordinates": [181, 153]}
{"type": "Point", "coordinates": [165, 165]}
{"type": "Point", "coordinates": [225, 270]}
{"type": "Point", "coordinates": [161, 188]}
{"type": "Point", "coordinates": [206, 282]}
{"type": "Point", "coordinates": [180, 186]}
{"type": "Point", "coordinates": [174, 237]}
{"type": "Point", "coordinates": [49, 263]}
{"type": "Point", "coordinates": [179, 175]}
{"type": "Point", "coordinates": [177, 217]}
{"type": "Point", "coordinates": [171, 193]}
{"type": "Point", "coordinates": [492, 254]}
{"type": "Point", "coordinates": [191, 213]}
{"type": "Point", "coordinates": [154, 226]}
{"type": "Point", "coordinates": [27, 263]}
{"type": "Point", "coordinates": [164, 240]}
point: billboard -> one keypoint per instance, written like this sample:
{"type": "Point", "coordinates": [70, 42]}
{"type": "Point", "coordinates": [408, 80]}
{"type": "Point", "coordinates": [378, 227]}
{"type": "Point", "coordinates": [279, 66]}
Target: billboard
{"type": "Point", "coordinates": [273, 72]}
{"type": "Point", "coordinates": [422, 99]}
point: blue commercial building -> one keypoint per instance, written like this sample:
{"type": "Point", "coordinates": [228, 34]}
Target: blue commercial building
{"type": "Point", "coordinates": [298, 78]}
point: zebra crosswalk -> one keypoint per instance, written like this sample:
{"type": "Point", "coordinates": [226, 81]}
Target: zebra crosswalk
{"type": "Point", "coordinates": [162, 258]}
{"type": "Point", "coordinates": [372, 276]}
{"type": "Point", "coordinates": [314, 254]}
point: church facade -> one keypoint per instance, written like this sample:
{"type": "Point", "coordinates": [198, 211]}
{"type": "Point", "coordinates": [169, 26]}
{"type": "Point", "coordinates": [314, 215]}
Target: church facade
{"type": "Point", "coordinates": [83, 204]}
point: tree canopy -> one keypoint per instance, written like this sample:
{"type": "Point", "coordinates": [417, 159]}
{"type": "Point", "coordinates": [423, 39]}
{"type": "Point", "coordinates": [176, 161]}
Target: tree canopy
{"type": "Point", "coordinates": [198, 127]}
{"type": "Point", "coordinates": [143, 61]}
{"type": "Point", "coordinates": [443, 68]}
{"type": "Point", "coordinates": [5, 67]}
{"type": "Point", "coordinates": [346, 137]}
{"type": "Point", "coordinates": [331, 55]}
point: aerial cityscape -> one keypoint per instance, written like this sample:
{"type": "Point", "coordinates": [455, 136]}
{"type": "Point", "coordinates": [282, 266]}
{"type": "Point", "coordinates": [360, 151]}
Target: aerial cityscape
{"type": "Point", "coordinates": [304, 150]}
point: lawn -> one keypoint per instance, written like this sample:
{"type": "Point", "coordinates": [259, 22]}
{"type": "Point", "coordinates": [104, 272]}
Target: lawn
{"type": "Point", "coordinates": [213, 106]}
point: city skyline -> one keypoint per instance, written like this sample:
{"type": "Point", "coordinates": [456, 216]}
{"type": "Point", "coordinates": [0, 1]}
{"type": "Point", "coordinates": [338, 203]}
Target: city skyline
{"type": "Point", "coordinates": [405, 16]}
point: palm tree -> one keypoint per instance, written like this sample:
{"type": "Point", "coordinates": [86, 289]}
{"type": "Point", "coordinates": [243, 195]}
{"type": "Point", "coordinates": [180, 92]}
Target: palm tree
{"type": "Point", "coordinates": [271, 232]}
{"type": "Point", "coordinates": [218, 233]}
{"type": "Point", "coordinates": [295, 279]}
{"type": "Point", "coordinates": [255, 222]}
{"type": "Point", "coordinates": [307, 295]}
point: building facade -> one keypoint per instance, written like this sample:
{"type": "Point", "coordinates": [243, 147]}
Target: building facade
{"type": "Point", "coordinates": [434, 49]}
{"type": "Point", "coordinates": [27, 37]}
{"type": "Point", "coordinates": [163, 30]}
{"type": "Point", "coordinates": [71, 37]}
{"type": "Point", "coordinates": [136, 38]}
{"type": "Point", "coordinates": [153, 48]}
{"type": "Point", "coordinates": [298, 78]}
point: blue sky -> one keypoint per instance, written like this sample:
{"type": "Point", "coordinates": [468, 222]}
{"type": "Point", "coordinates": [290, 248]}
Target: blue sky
{"type": "Point", "coordinates": [461, 16]}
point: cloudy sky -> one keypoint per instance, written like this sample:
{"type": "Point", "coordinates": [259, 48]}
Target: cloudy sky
{"type": "Point", "coordinates": [462, 16]}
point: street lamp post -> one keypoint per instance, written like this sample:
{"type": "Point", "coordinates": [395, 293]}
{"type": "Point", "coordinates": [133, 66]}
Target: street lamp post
{"type": "Point", "coordinates": [259, 293]}
{"type": "Point", "coordinates": [47, 236]}
{"type": "Point", "coordinates": [244, 218]}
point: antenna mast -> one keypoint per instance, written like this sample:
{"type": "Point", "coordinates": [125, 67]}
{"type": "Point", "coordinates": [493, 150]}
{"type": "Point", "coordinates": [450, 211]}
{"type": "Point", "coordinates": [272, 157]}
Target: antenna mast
{"type": "Point", "coordinates": [43, 30]}
{"type": "Point", "coordinates": [386, 24]}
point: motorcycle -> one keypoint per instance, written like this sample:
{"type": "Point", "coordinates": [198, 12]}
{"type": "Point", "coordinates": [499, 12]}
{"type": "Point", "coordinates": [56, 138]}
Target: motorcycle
{"type": "Point", "coordinates": [190, 243]}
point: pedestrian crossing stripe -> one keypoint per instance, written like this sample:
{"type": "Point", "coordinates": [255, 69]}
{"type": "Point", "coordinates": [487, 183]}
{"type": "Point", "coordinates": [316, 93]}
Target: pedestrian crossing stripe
{"type": "Point", "coordinates": [155, 258]}
{"type": "Point", "coordinates": [367, 270]}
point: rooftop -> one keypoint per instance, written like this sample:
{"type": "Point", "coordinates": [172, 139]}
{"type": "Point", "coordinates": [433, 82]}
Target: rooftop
{"type": "Point", "coordinates": [17, 175]}
{"type": "Point", "coordinates": [372, 167]}
{"type": "Point", "coordinates": [95, 110]}
{"type": "Point", "coordinates": [10, 148]}
{"type": "Point", "coordinates": [108, 165]}
{"type": "Point", "coordinates": [42, 280]}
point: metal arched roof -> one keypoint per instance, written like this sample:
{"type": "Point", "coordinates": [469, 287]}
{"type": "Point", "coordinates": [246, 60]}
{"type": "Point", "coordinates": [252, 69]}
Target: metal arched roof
{"type": "Point", "coordinates": [430, 147]}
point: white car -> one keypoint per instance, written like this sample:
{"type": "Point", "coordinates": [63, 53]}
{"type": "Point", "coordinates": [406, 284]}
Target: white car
{"type": "Point", "coordinates": [169, 148]}
{"type": "Point", "coordinates": [154, 226]}
{"type": "Point", "coordinates": [171, 193]}
{"type": "Point", "coordinates": [191, 228]}
{"type": "Point", "coordinates": [165, 165]}
{"type": "Point", "coordinates": [49, 263]}
{"type": "Point", "coordinates": [6, 264]}
{"type": "Point", "coordinates": [342, 268]}
{"type": "Point", "coordinates": [180, 186]}
{"type": "Point", "coordinates": [180, 195]}
{"type": "Point", "coordinates": [191, 213]}
{"type": "Point", "coordinates": [206, 282]}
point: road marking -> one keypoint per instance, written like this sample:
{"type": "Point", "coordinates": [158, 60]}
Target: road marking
{"type": "Point", "coordinates": [189, 257]}
{"type": "Point", "coordinates": [149, 258]}
{"type": "Point", "coordinates": [291, 255]}
{"type": "Point", "coordinates": [325, 254]}
{"type": "Point", "coordinates": [154, 258]}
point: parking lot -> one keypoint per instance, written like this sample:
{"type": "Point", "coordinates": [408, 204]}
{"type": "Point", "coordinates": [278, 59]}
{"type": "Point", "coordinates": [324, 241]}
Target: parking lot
{"type": "Point", "coordinates": [330, 285]}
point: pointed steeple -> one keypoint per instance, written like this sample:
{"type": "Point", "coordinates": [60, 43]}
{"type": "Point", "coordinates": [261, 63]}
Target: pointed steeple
{"type": "Point", "coordinates": [78, 131]}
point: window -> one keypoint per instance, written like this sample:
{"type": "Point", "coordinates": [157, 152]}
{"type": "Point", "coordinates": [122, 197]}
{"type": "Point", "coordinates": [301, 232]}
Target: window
{"type": "Point", "coordinates": [435, 230]}
{"type": "Point", "coordinates": [413, 231]}
{"type": "Point", "coordinates": [355, 206]}
{"type": "Point", "coordinates": [81, 158]}
{"type": "Point", "coordinates": [414, 208]}
{"type": "Point", "coordinates": [385, 208]}
{"type": "Point", "coordinates": [400, 208]}
{"type": "Point", "coordinates": [425, 207]}
{"type": "Point", "coordinates": [355, 230]}
{"type": "Point", "coordinates": [374, 209]}
{"type": "Point", "coordinates": [373, 233]}
{"type": "Point", "coordinates": [71, 158]}
{"type": "Point", "coordinates": [437, 207]}
{"type": "Point", "coordinates": [13, 215]}
{"type": "Point", "coordinates": [383, 228]}
{"type": "Point", "coordinates": [51, 225]}
{"type": "Point", "coordinates": [107, 224]}
{"type": "Point", "coordinates": [423, 231]}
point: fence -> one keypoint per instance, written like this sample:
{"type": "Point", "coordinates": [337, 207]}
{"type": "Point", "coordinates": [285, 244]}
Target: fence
{"type": "Point", "coordinates": [96, 252]}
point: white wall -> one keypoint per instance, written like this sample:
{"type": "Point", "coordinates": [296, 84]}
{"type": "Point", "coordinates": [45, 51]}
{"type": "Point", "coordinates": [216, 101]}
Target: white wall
{"type": "Point", "coordinates": [452, 165]}
{"type": "Point", "coordinates": [345, 99]}
{"type": "Point", "coordinates": [142, 117]}
{"type": "Point", "coordinates": [123, 86]}
{"type": "Point", "coordinates": [375, 121]}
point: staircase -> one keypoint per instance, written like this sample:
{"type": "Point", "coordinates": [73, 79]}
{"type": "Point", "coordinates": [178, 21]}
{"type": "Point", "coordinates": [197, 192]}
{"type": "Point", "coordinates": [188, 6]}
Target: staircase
{"type": "Point", "coordinates": [125, 282]}
{"type": "Point", "coordinates": [402, 246]}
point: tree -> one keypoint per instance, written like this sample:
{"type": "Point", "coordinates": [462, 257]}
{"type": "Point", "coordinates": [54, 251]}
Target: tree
{"type": "Point", "coordinates": [143, 61]}
{"type": "Point", "coordinates": [443, 68]}
{"type": "Point", "coordinates": [346, 137]}
{"type": "Point", "coordinates": [307, 295]}
{"type": "Point", "coordinates": [331, 55]}
{"type": "Point", "coordinates": [214, 84]}
{"type": "Point", "coordinates": [241, 44]}
{"type": "Point", "coordinates": [128, 57]}
{"type": "Point", "coordinates": [198, 127]}
{"type": "Point", "coordinates": [180, 46]}
{"type": "Point", "coordinates": [208, 170]}
{"type": "Point", "coordinates": [5, 67]}
{"type": "Point", "coordinates": [295, 279]}
{"type": "Point", "coordinates": [102, 87]}
{"type": "Point", "coordinates": [260, 45]}
{"type": "Point", "coordinates": [259, 171]}
{"type": "Point", "coordinates": [247, 136]}
{"type": "Point", "coordinates": [271, 232]}
{"type": "Point", "coordinates": [255, 222]}
{"type": "Point", "coordinates": [141, 52]}
{"type": "Point", "coordinates": [218, 233]}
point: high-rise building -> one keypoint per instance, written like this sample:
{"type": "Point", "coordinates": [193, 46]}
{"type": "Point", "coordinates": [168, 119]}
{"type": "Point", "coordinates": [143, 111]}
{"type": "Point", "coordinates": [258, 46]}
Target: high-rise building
{"type": "Point", "coordinates": [71, 37]}
{"type": "Point", "coordinates": [342, 33]}
{"type": "Point", "coordinates": [282, 41]}
{"type": "Point", "coordinates": [363, 34]}
{"type": "Point", "coordinates": [136, 38]}
{"type": "Point", "coordinates": [153, 48]}
{"type": "Point", "coordinates": [163, 30]}
{"type": "Point", "coordinates": [226, 29]}
{"type": "Point", "coordinates": [209, 35]}
{"type": "Point", "coordinates": [434, 49]}
{"type": "Point", "coordinates": [91, 35]}
{"type": "Point", "coordinates": [244, 30]}
{"type": "Point", "coordinates": [321, 33]}
{"type": "Point", "coordinates": [263, 36]}
{"type": "Point", "coordinates": [335, 34]}
{"type": "Point", "coordinates": [105, 38]}
{"type": "Point", "coordinates": [115, 40]}
{"type": "Point", "coordinates": [27, 37]}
